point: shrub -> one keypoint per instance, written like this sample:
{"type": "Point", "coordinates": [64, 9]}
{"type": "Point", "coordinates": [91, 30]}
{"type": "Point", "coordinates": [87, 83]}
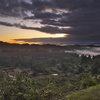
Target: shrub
{"type": "Point", "coordinates": [86, 80]}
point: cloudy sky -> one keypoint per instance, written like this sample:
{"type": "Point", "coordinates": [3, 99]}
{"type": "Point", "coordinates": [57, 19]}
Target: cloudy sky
{"type": "Point", "coordinates": [50, 21]}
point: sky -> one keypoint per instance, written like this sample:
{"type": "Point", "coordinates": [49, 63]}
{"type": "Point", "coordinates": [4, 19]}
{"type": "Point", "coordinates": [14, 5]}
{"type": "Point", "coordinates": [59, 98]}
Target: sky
{"type": "Point", "coordinates": [50, 21]}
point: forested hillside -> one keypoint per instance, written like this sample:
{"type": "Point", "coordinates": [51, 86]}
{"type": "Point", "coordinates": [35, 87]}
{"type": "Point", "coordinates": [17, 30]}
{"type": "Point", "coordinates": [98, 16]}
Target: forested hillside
{"type": "Point", "coordinates": [48, 72]}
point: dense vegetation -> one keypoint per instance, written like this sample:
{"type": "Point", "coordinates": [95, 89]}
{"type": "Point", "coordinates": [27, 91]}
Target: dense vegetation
{"type": "Point", "coordinates": [47, 72]}
{"type": "Point", "coordinates": [23, 87]}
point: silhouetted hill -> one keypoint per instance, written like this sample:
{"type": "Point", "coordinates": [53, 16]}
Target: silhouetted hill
{"type": "Point", "coordinates": [6, 45]}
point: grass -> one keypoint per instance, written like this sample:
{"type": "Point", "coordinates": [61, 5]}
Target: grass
{"type": "Point", "coordinates": [91, 93]}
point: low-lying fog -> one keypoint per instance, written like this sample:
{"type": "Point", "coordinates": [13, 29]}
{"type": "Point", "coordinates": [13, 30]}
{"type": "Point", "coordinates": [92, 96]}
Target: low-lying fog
{"type": "Point", "coordinates": [92, 51]}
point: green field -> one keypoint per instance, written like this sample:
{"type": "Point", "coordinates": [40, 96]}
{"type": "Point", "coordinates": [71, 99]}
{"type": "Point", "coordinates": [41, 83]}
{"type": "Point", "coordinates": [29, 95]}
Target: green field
{"type": "Point", "coordinates": [91, 93]}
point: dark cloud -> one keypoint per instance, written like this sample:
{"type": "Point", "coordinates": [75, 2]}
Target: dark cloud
{"type": "Point", "coordinates": [46, 15]}
{"type": "Point", "coordinates": [9, 7]}
{"type": "Point", "coordinates": [91, 39]}
{"type": "Point", "coordinates": [50, 29]}
{"type": "Point", "coordinates": [46, 29]}
{"type": "Point", "coordinates": [44, 40]}
{"type": "Point", "coordinates": [82, 16]}
{"type": "Point", "coordinates": [5, 24]}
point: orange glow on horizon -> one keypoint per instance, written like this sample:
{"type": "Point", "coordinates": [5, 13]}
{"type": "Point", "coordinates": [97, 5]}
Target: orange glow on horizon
{"type": "Point", "coordinates": [21, 42]}
{"type": "Point", "coordinates": [8, 34]}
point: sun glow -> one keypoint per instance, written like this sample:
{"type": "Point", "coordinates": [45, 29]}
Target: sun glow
{"type": "Point", "coordinates": [58, 35]}
{"type": "Point", "coordinates": [8, 34]}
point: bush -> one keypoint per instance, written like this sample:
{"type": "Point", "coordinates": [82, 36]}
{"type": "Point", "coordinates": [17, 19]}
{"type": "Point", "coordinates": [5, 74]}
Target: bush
{"type": "Point", "coordinates": [19, 87]}
{"type": "Point", "coordinates": [86, 80]}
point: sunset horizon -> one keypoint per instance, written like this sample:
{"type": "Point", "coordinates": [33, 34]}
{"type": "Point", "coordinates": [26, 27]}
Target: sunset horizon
{"type": "Point", "coordinates": [49, 21]}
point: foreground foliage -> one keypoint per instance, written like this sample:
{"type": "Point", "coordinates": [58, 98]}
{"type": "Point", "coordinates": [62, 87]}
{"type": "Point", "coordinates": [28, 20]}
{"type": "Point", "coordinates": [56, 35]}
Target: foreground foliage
{"type": "Point", "coordinates": [23, 87]}
{"type": "Point", "coordinates": [19, 87]}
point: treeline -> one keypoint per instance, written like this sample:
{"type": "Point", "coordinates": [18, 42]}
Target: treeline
{"type": "Point", "coordinates": [5, 45]}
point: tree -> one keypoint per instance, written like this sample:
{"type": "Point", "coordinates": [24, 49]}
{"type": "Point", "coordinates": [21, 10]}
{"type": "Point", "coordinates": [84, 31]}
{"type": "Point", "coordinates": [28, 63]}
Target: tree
{"type": "Point", "coordinates": [86, 80]}
{"type": "Point", "coordinates": [19, 87]}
